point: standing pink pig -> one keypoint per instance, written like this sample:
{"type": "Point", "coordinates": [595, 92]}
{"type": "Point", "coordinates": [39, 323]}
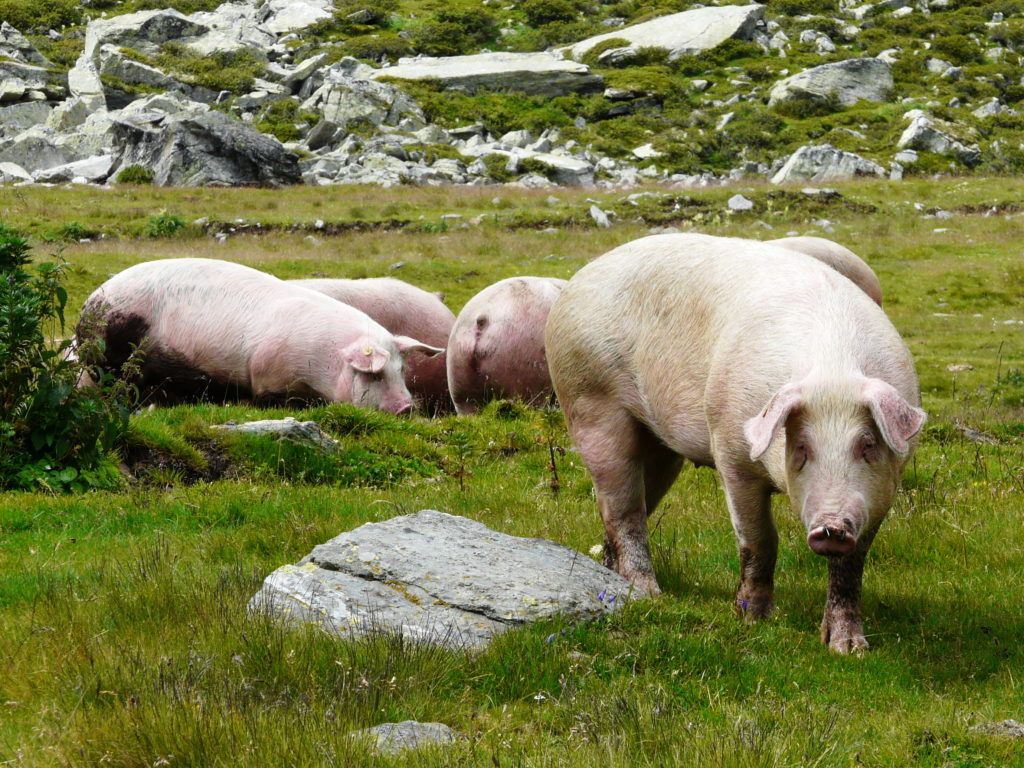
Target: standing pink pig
{"type": "Point", "coordinates": [757, 360]}
{"type": "Point", "coordinates": [217, 330]}
{"type": "Point", "coordinates": [404, 310]}
{"type": "Point", "coordinates": [496, 348]}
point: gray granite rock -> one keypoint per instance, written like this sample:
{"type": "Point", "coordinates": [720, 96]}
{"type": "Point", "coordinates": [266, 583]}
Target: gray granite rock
{"type": "Point", "coordinates": [393, 738]}
{"type": "Point", "coordinates": [206, 149]}
{"type": "Point", "coordinates": [440, 579]}
{"type": "Point", "coordinates": [682, 33]}
{"type": "Point", "coordinates": [823, 162]}
{"type": "Point", "coordinates": [846, 81]}
{"type": "Point", "coordinates": [538, 74]}
{"type": "Point", "coordinates": [928, 135]}
{"type": "Point", "coordinates": [15, 46]}
{"type": "Point", "coordinates": [305, 432]}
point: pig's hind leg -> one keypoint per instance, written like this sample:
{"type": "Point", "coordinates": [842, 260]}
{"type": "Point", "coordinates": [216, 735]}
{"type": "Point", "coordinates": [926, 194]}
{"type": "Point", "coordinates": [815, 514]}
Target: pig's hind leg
{"type": "Point", "coordinates": [615, 448]}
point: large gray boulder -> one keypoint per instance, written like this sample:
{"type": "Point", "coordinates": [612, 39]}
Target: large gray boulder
{"type": "Point", "coordinates": [440, 579]}
{"type": "Point", "coordinates": [683, 33]}
{"type": "Point", "coordinates": [925, 134]}
{"type": "Point", "coordinates": [143, 31]}
{"type": "Point", "coordinates": [111, 62]}
{"type": "Point", "coordinates": [847, 82]}
{"type": "Point", "coordinates": [283, 16]}
{"type": "Point", "coordinates": [393, 738]}
{"type": "Point", "coordinates": [823, 162]}
{"type": "Point", "coordinates": [288, 429]}
{"type": "Point", "coordinates": [537, 74]}
{"type": "Point", "coordinates": [16, 47]}
{"type": "Point", "coordinates": [232, 27]}
{"type": "Point", "coordinates": [19, 117]}
{"type": "Point", "coordinates": [344, 99]}
{"type": "Point", "coordinates": [20, 82]}
{"type": "Point", "coordinates": [208, 149]}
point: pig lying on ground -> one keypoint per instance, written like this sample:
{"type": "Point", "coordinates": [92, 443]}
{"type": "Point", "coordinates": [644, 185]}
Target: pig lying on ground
{"type": "Point", "coordinates": [496, 348]}
{"type": "Point", "coordinates": [841, 259]}
{"type": "Point", "coordinates": [405, 310]}
{"type": "Point", "coordinates": [751, 358]}
{"type": "Point", "coordinates": [216, 330]}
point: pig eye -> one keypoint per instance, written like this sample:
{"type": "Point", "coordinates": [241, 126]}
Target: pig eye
{"type": "Point", "coordinates": [868, 449]}
{"type": "Point", "coordinates": [800, 456]}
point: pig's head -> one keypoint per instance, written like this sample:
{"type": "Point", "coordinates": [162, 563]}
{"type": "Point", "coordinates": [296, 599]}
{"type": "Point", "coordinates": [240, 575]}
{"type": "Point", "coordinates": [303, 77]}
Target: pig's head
{"type": "Point", "coordinates": [845, 447]}
{"type": "Point", "coordinates": [372, 375]}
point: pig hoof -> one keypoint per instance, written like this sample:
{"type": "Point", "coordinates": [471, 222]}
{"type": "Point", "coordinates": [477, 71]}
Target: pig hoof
{"type": "Point", "coordinates": [644, 583]}
{"type": "Point", "coordinates": [751, 610]}
{"type": "Point", "coordinates": [843, 641]}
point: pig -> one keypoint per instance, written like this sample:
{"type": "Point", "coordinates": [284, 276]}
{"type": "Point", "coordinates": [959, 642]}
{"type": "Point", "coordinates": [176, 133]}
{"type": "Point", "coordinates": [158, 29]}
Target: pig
{"type": "Point", "coordinates": [841, 259]}
{"type": "Point", "coordinates": [754, 359]}
{"type": "Point", "coordinates": [215, 330]}
{"type": "Point", "coordinates": [496, 347]}
{"type": "Point", "coordinates": [404, 310]}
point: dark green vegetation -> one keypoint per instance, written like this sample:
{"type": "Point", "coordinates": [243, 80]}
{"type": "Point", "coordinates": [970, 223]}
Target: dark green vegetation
{"type": "Point", "coordinates": [123, 634]}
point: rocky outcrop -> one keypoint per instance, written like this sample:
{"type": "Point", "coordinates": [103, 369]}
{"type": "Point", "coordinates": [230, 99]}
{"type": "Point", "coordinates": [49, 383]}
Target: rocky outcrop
{"type": "Point", "coordinates": [14, 46]}
{"type": "Point", "coordinates": [206, 149]}
{"type": "Point", "coordinates": [537, 74]}
{"type": "Point", "coordinates": [823, 162]}
{"type": "Point", "coordinates": [344, 98]}
{"type": "Point", "coordinates": [847, 82]}
{"type": "Point", "coordinates": [440, 579]}
{"type": "Point", "coordinates": [924, 134]}
{"type": "Point", "coordinates": [682, 33]}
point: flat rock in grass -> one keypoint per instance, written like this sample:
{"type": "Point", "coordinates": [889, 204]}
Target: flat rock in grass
{"type": "Point", "coordinates": [682, 33]}
{"type": "Point", "coordinates": [1007, 728]}
{"type": "Point", "coordinates": [305, 432]}
{"type": "Point", "coordinates": [536, 74]}
{"type": "Point", "coordinates": [440, 579]}
{"type": "Point", "coordinates": [392, 738]}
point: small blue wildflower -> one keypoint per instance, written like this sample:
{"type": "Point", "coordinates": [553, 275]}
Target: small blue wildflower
{"type": "Point", "coordinates": [743, 604]}
{"type": "Point", "coordinates": [611, 599]}
{"type": "Point", "coordinates": [550, 638]}
{"type": "Point", "coordinates": [600, 595]}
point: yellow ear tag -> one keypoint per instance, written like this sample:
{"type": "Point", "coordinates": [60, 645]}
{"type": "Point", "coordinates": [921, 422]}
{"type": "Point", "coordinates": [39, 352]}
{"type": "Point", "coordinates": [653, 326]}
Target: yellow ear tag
{"type": "Point", "coordinates": [368, 351]}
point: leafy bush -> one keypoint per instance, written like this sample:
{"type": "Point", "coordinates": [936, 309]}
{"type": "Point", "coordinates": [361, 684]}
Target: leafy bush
{"type": "Point", "coordinates": [959, 49]}
{"type": "Point", "coordinates": [800, 7]}
{"type": "Point", "coordinates": [26, 15]}
{"type": "Point", "coordinates": [372, 48]}
{"type": "Point", "coordinates": [281, 118]}
{"type": "Point", "coordinates": [219, 71]}
{"type": "Point", "coordinates": [590, 58]}
{"type": "Point", "coordinates": [804, 106]}
{"type": "Point", "coordinates": [163, 224]}
{"type": "Point", "coordinates": [439, 38]}
{"type": "Point", "coordinates": [53, 434]}
{"type": "Point", "coordinates": [477, 24]}
{"type": "Point", "coordinates": [134, 174]}
{"type": "Point", "coordinates": [541, 12]}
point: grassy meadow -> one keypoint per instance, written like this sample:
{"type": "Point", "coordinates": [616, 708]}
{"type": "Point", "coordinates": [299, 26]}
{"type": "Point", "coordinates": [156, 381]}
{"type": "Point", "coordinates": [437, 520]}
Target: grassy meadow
{"type": "Point", "coordinates": [124, 639]}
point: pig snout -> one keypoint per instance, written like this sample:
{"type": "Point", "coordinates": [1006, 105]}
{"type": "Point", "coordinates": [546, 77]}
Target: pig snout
{"type": "Point", "coordinates": [831, 540]}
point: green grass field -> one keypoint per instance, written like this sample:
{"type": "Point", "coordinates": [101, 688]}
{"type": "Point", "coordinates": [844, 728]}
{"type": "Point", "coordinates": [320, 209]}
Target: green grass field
{"type": "Point", "coordinates": [124, 639]}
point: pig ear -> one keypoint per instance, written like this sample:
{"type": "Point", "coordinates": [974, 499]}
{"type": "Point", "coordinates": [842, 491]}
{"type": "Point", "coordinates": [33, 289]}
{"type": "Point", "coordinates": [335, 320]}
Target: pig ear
{"type": "Point", "coordinates": [406, 345]}
{"type": "Point", "coordinates": [440, 295]}
{"type": "Point", "coordinates": [897, 420]}
{"type": "Point", "coordinates": [366, 357]}
{"type": "Point", "coordinates": [761, 429]}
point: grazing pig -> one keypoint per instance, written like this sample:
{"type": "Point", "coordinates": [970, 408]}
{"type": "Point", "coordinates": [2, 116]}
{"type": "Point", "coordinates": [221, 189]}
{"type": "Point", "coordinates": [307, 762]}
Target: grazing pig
{"type": "Point", "coordinates": [751, 358]}
{"type": "Point", "coordinates": [216, 330]}
{"type": "Point", "coordinates": [841, 259]}
{"type": "Point", "coordinates": [496, 348]}
{"type": "Point", "coordinates": [405, 310]}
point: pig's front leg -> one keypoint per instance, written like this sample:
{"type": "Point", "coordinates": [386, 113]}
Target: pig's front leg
{"type": "Point", "coordinates": [749, 500]}
{"type": "Point", "coordinates": [841, 627]}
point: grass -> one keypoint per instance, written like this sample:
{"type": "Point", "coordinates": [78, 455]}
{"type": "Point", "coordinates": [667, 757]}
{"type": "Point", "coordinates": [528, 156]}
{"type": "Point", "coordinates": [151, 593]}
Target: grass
{"type": "Point", "coordinates": [124, 638]}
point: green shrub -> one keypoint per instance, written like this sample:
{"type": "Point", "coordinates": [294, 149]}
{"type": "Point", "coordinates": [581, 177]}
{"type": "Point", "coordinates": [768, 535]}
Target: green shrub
{"type": "Point", "coordinates": [134, 174]}
{"type": "Point", "coordinates": [163, 224]}
{"type": "Point", "coordinates": [958, 49]}
{"type": "Point", "coordinates": [379, 11]}
{"type": "Point", "coordinates": [496, 168]}
{"type": "Point", "coordinates": [805, 106]}
{"type": "Point", "coordinates": [541, 12]}
{"type": "Point", "coordinates": [591, 56]}
{"type": "Point", "coordinates": [281, 118]}
{"type": "Point", "coordinates": [53, 434]}
{"type": "Point", "coordinates": [477, 24]}
{"type": "Point", "coordinates": [756, 127]}
{"type": "Point", "coordinates": [26, 15]}
{"type": "Point", "coordinates": [372, 48]}
{"type": "Point", "coordinates": [800, 7]}
{"type": "Point", "coordinates": [438, 38]}
{"type": "Point", "coordinates": [219, 71]}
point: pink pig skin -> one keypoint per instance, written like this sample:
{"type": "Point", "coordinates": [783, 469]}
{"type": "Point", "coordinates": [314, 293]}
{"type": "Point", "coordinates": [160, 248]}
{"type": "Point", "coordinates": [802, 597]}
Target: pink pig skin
{"type": "Point", "coordinates": [840, 258]}
{"type": "Point", "coordinates": [404, 310]}
{"type": "Point", "coordinates": [218, 330]}
{"type": "Point", "coordinates": [757, 360]}
{"type": "Point", "coordinates": [496, 348]}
